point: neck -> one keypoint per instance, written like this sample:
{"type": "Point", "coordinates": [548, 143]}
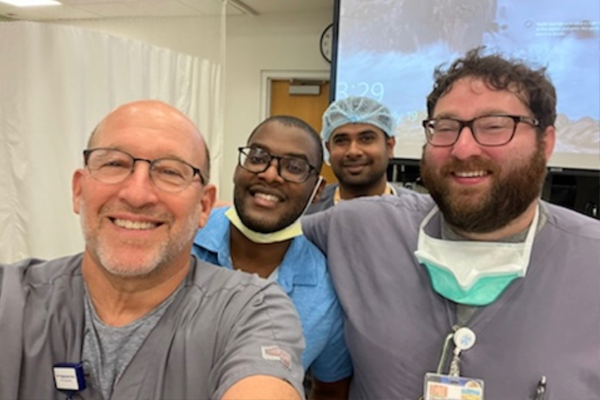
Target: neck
{"type": "Point", "coordinates": [348, 192]}
{"type": "Point", "coordinates": [119, 301]}
{"type": "Point", "coordinates": [515, 226]}
{"type": "Point", "coordinates": [256, 258]}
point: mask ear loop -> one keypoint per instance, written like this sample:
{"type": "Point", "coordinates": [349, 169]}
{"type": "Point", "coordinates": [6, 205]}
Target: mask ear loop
{"type": "Point", "coordinates": [312, 196]}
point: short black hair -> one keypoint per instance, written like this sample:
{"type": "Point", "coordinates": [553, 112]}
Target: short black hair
{"type": "Point", "coordinates": [290, 121]}
{"type": "Point", "coordinates": [533, 85]}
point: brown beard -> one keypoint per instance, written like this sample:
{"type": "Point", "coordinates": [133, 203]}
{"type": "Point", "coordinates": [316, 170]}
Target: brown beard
{"type": "Point", "coordinates": [509, 197]}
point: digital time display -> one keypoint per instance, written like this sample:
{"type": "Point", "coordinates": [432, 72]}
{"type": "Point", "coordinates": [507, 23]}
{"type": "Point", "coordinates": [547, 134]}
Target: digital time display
{"type": "Point", "coordinates": [375, 90]}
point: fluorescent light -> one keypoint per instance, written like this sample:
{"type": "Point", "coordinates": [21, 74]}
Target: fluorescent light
{"type": "Point", "coordinates": [31, 3]}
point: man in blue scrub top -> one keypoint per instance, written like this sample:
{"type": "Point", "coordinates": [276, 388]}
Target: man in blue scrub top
{"type": "Point", "coordinates": [276, 179]}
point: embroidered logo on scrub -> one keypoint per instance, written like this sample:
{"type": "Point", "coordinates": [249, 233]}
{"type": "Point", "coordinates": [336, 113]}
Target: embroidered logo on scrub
{"type": "Point", "coordinates": [276, 354]}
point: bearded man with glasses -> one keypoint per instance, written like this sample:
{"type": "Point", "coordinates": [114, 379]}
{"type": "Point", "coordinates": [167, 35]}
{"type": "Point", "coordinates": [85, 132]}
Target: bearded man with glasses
{"type": "Point", "coordinates": [480, 290]}
{"type": "Point", "coordinates": [135, 316]}
{"type": "Point", "coordinates": [276, 179]}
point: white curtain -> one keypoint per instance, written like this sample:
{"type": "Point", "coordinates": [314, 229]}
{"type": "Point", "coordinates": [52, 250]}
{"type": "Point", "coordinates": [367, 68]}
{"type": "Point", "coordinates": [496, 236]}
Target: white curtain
{"type": "Point", "coordinates": [56, 84]}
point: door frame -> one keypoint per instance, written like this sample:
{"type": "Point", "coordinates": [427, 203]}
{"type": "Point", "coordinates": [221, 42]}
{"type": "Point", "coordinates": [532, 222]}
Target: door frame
{"type": "Point", "coordinates": [266, 76]}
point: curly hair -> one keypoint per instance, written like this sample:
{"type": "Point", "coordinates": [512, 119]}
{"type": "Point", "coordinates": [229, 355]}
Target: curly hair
{"type": "Point", "coordinates": [531, 85]}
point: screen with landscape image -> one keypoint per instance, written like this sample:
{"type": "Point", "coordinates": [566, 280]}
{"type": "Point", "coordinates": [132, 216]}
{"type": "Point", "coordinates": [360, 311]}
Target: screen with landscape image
{"type": "Point", "coordinates": [388, 49]}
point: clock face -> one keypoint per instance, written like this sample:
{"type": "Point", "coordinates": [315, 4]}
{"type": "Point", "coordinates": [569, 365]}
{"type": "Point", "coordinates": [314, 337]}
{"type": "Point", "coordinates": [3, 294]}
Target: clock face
{"type": "Point", "coordinates": [327, 43]}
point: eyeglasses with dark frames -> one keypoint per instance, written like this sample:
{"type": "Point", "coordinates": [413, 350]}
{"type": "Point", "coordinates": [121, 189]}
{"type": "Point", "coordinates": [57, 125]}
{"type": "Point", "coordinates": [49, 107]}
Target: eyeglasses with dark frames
{"type": "Point", "coordinates": [113, 166]}
{"type": "Point", "coordinates": [488, 130]}
{"type": "Point", "coordinates": [291, 168]}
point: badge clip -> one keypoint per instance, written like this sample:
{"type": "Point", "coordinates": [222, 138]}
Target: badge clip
{"type": "Point", "coordinates": [69, 378]}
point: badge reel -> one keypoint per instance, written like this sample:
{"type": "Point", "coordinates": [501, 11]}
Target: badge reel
{"type": "Point", "coordinates": [453, 386]}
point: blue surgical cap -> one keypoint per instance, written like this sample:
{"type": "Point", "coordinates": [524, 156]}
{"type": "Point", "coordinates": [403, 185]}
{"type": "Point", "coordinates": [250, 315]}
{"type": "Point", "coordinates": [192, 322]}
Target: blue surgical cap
{"type": "Point", "coordinates": [357, 110]}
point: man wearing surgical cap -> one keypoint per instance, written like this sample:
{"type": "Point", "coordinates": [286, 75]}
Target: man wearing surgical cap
{"type": "Point", "coordinates": [358, 135]}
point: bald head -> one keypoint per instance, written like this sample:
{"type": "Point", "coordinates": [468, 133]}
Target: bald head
{"type": "Point", "coordinates": [158, 117]}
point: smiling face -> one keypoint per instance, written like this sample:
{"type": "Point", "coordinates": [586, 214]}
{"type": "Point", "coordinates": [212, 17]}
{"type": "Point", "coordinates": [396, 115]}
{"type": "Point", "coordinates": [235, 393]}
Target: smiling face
{"type": "Point", "coordinates": [482, 189]}
{"type": "Point", "coordinates": [264, 201]}
{"type": "Point", "coordinates": [359, 155]}
{"type": "Point", "coordinates": [132, 228]}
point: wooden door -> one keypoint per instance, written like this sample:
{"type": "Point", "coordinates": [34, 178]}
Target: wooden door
{"type": "Point", "coordinates": [309, 108]}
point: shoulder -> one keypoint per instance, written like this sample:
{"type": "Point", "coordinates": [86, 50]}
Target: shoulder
{"type": "Point", "coordinates": [226, 289]}
{"type": "Point", "coordinates": [325, 200]}
{"type": "Point", "coordinates": [410, 205]}
{"type": "Point", "coordinates": [572, 223]}
{"type": "Point", "coordinates": [329, 190]}
{"type": "Point", "coordinates": [211, 279]}
{"type": "Point", "coordinates": [303, 265]}
{"type": "Point", "coordinates": [36, 278]}
{"type": "Point", "coordinates": [211, 236]}
{"type": "Point", "coordinates": [303, 251]}
{"type": "Point", "coordinates": [35, 272]}
{"type": "Point", "coordinates": [400, 190]}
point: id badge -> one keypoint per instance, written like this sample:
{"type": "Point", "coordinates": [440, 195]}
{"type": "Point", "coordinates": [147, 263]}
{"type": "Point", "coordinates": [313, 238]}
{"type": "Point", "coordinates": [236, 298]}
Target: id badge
{"type": "Point", "coordinates": [444, 387]}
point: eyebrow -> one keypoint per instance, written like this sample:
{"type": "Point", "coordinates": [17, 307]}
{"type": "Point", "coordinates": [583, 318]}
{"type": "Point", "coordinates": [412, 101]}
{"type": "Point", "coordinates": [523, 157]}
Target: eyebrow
{"type": "Point", "coordinates": [166, 157]}
{"type": "Point", "coordinates": [365, 132]}
{"type": "Point", "coordinates": [266, 148]}
{"type": "Point", "coordinates": [482, 114]}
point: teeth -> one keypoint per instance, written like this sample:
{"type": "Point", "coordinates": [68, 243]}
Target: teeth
{"type": "Point", "coordinates": [135, 225]}
{"type": "Point", "coordinates": [470, 174]}
{"type": "Point", "coordinates": [268, 197]}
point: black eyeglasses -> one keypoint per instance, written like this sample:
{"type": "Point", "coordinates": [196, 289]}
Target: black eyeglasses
{"type": "Point", "coordinates": [291, 168]}
{"type": "Point", "coordinates": [488, 130]}
{"type": "Point", "coordinates": [114, 166]}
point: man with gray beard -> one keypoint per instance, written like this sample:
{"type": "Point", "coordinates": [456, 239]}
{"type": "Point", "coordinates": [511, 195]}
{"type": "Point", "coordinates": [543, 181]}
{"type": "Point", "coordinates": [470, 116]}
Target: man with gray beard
{"type": "Point", "coordinates": [481, 289]}
{"type": "Point", "coordinates": [134, 315]}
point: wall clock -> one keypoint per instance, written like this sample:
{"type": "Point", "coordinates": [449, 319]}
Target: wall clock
{"type": "Point", "coordinates": [326, 43]}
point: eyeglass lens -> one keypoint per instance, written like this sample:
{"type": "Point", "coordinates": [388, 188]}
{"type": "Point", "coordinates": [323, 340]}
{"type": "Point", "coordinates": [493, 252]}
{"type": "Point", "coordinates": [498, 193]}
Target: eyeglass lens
{"type": "Point", "coordinates": [114, 166]}
{"type": "Point", "coordinates": [257, 160]}
{"type": "Point", "coordinates": [487, 130]}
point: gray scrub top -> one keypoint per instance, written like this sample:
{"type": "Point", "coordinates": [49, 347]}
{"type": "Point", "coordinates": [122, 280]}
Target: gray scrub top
{"type": "Point", "coordinates": [547, 323]}
{"type": "Point", "coordinates": [221, 327]}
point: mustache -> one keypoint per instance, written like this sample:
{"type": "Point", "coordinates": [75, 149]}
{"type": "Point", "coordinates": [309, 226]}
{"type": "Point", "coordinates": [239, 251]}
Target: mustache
{"type": "Point", "coordinates": [146, 211]}
{"type": "Point", "coordinates": [470, 164]}
{"type": "Point", "coordinates": [352, 163]}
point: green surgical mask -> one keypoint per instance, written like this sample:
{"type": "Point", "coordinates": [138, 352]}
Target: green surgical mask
{"type": "Point", "coordinates": [471, 272]}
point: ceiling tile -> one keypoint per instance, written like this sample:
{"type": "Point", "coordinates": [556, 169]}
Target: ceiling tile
{"type": "Point", "coordinates": [280, 6]}
{"type": "Point", "coordinates": [95, 9]}
{"type": "Point", "coordinates": [211, 7]}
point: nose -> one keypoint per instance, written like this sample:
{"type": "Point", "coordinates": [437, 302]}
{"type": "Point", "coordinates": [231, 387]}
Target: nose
{"type": "Point", "coordinates": [466, 146]}
{"type": "Point", "coordinates": [271, 174]}
{"type": "Point", "coordinates": [138, 190]}
{"type": "Point", "coordinates": [354, 148]}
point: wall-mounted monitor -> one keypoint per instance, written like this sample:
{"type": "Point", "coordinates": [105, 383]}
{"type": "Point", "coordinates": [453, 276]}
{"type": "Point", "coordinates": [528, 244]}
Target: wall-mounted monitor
{"type": "Point", "coordinates": [388, 49]}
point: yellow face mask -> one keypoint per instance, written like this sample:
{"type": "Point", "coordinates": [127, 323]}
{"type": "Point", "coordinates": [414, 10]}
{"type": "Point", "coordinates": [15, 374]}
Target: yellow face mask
{"type": "Point", "coordinates": [291, 231]}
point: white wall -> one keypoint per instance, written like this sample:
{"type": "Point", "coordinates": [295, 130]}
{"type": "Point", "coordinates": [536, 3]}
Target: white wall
{"type": "Point", "coordinates": [276, 42]}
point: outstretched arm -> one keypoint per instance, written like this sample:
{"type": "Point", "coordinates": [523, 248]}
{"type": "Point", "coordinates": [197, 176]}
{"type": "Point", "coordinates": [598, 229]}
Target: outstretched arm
{"type": "Point", "coordinates": [261, 387]}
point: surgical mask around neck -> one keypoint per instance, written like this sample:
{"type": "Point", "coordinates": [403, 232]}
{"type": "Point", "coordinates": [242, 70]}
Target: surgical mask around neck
{"type": "Point", "coordinates": [472, 272]}
{"type": "Point", "coordinates": [289, 232]}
